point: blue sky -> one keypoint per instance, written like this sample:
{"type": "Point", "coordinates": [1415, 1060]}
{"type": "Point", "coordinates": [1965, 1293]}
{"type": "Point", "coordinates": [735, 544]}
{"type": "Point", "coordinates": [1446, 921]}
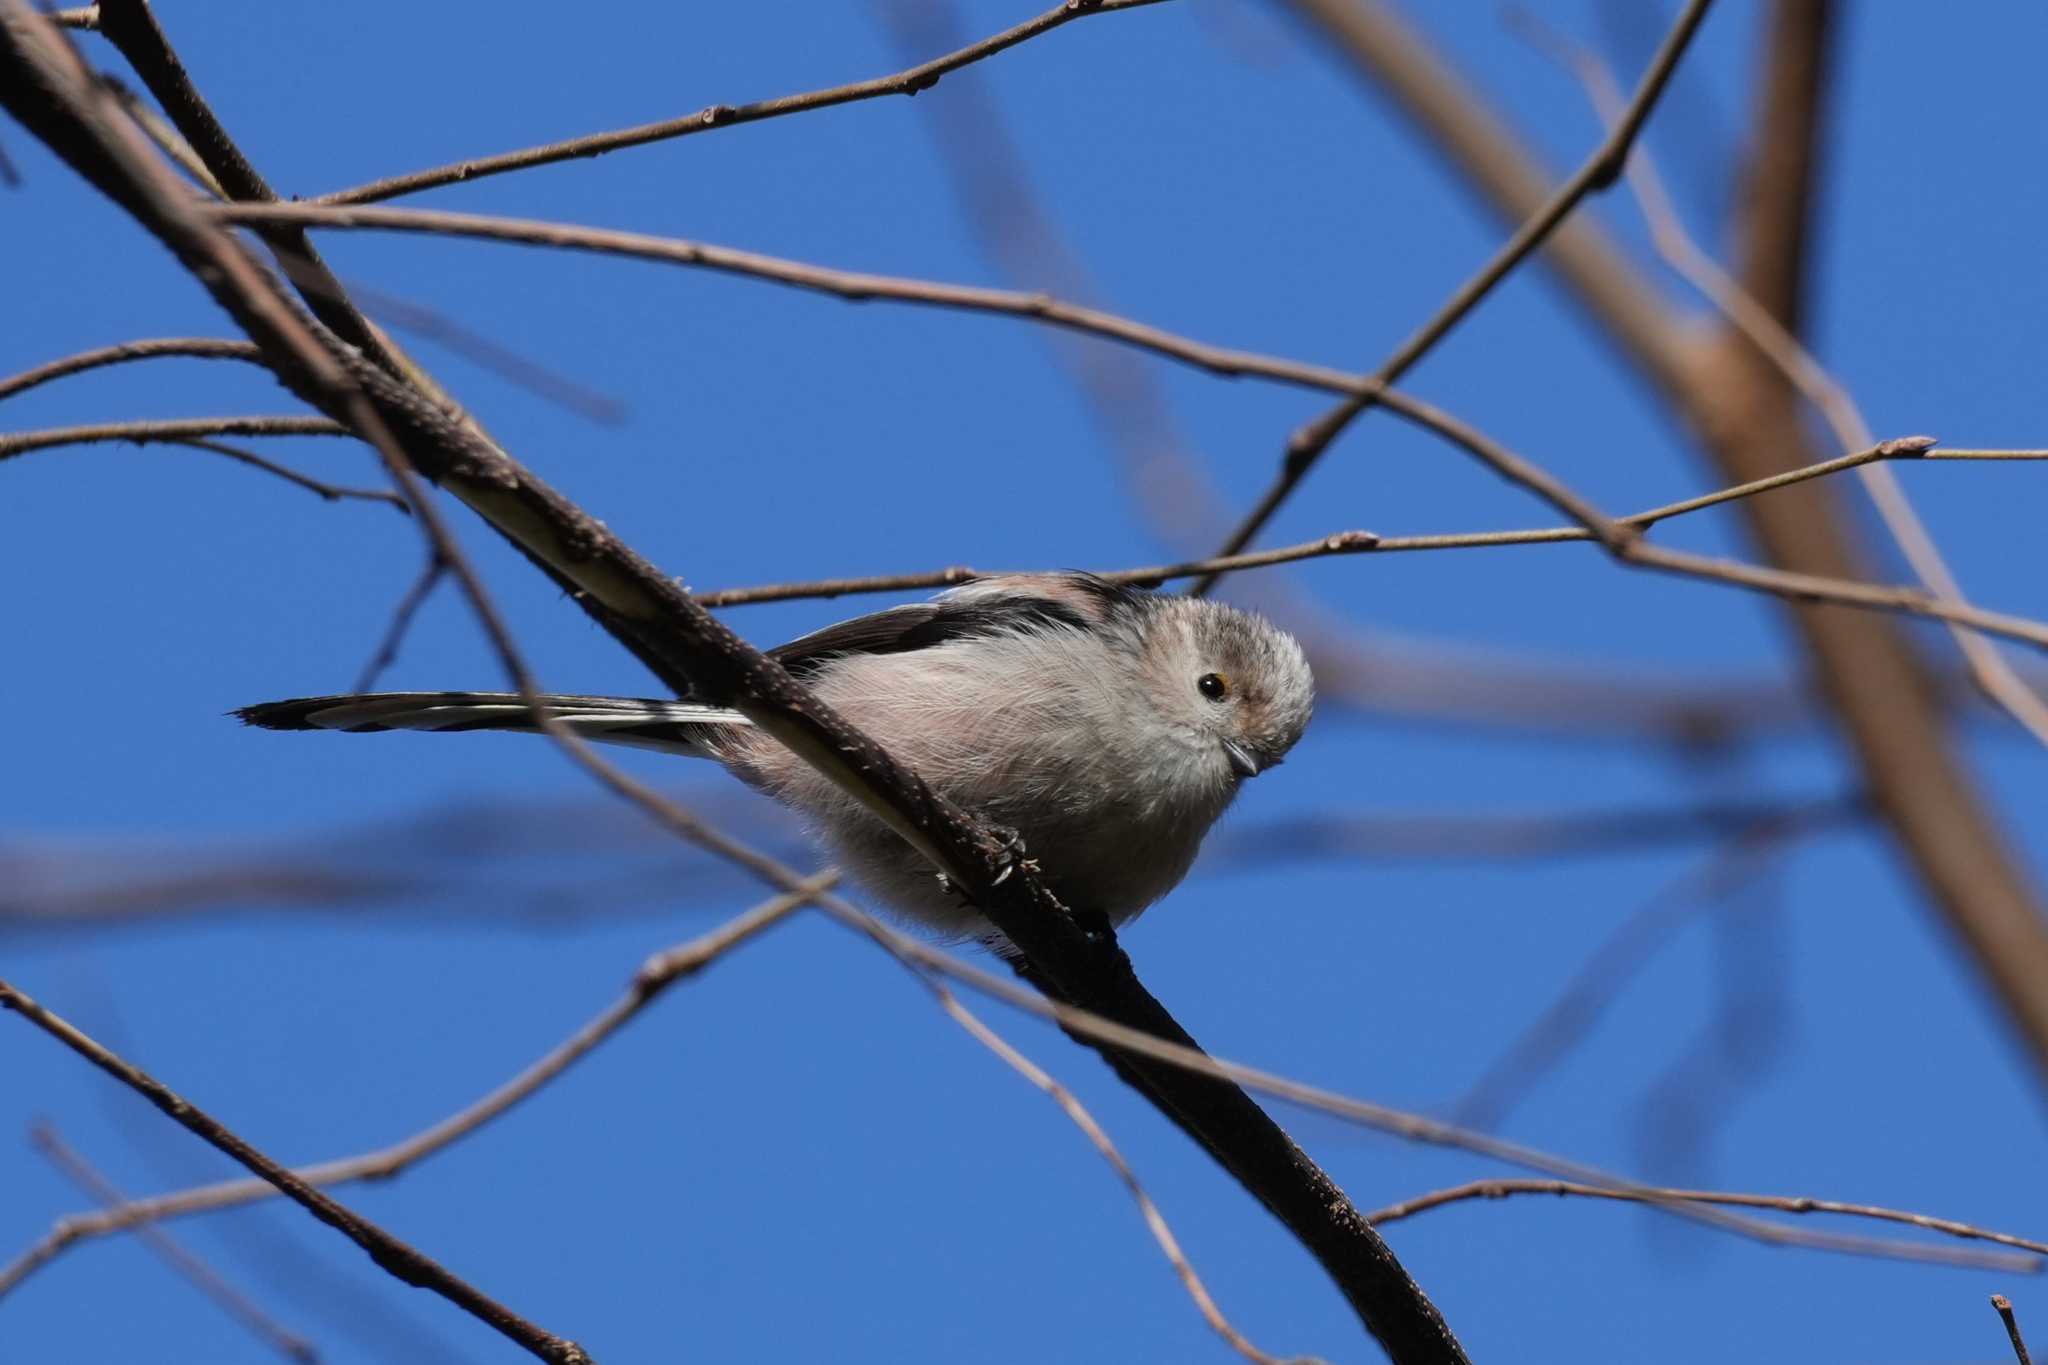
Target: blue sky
{"type": "Point", "coordinates": [796, 1156]}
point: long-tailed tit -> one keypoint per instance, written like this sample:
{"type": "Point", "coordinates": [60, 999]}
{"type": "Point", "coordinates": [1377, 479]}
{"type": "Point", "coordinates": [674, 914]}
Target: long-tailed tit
{"type": "Point", "coordinates": [1109, 727]}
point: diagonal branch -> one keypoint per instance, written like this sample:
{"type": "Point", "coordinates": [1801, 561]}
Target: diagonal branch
{"type": "Point", "coordinates": [388, 1252]}
{"type": "Point", "coordinates": [1990, 668]}
{"type": "Point", "coordinates": [198, 1273]}
{"type": "Point", "coordinates": [207, 348]}
{"type": "Point", "coordinates": [1745, 416]}
{"type": "Point", "coordinates": [1799, 1203]}
{"type": "Point", "coordinates": [691, 651]}
{"type": "Point", "coordinates": [910, 81]}
{"type": "Point", "coordinates": [1600, 171]}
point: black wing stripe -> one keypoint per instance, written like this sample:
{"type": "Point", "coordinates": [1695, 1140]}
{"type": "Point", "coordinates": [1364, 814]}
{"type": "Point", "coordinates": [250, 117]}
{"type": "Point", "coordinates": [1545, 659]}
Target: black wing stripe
{"type": "Point", "coordinates": [899, 630]}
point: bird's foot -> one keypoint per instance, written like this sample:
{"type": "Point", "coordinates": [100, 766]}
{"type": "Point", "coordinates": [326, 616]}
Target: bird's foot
{"type": "Point", "coordinates": [1009, 853]}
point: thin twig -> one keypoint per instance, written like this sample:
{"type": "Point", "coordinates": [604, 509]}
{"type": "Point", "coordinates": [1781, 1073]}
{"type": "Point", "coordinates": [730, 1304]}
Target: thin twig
{"type": "Point", "coordinates": [1077, 1113]}
{"type": "Point", "coordinates": [908, 82]}
{"type": "Point", "coordinates": [665, 967]}
{"type": "Point", "coordinates": [170, 429]}
{"type": "Point", "coordinates": [1827, 395]}
{"type": "Point", "coordinates": [2012, 1328]}
{"type": "Point", "coordinates": [1573, 1012]}
{"type": "Point", "coordinates": [655, 976]}
{"type": "Point", "coordinates": [394, 1256]}
{"type": "Point", "coordinates": [206, 348]}
{"type": "Point", "coordinates": [202, 1276]}
{"type": "Point", "coordinates": [1593, 525]}
{"type": "Point", "coordinates": [1501, 1189]}
{"type": "Point", "coordinates": [332, 492]}
{"type": "Point", "coordinates": [1778, 582]}
{"type": "Point", "coordinates": [691, 651]}
{"type": "Point", "coordinates": [401, 621]}
{"type": "Point", "coordinates": [1600, 170]}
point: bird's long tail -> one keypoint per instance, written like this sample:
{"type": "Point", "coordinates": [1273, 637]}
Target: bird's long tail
{"type": "Point", "coordinates": [675, 727]}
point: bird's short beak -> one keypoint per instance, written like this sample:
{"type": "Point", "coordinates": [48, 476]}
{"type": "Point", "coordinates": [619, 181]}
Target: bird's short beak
{"type": "Point", "coordinates": [1241, 758]}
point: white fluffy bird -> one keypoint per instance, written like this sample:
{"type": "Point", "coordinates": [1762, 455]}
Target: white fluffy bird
{"type": "Point", "coordinates": [1109, 727]}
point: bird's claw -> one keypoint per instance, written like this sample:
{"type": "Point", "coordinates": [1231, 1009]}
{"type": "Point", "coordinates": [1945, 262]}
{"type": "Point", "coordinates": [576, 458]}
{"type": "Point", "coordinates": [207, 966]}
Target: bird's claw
{"type": "Point", "coordinates": [1009, 855]}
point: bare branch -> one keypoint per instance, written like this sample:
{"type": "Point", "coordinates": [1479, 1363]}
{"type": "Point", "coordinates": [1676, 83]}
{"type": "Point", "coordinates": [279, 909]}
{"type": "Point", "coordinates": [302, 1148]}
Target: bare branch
{"type": "Point", "coordinates": [401, 621]}
{"type": "Point", "coordinates": [2012, 1328]}
{"type": "Point", "coordinates": [1572, 1014]}
{"type": "Point", "coordinates": [387, 1251]}
{"type": "Point", "coordinates": [908, 82]}
{"type": "Point", "coordinates": [666, 967]}
{"type": "Point", "coordinates": [206, 348]}
{"type": "Point", "coordinates": [194, 433]}
{"type": "Point", "coordinates": [1742, 410]}
{"type": "Point", "coordinates": [198, 1273]}
{"type": "Point", "coordinates": [692, 652]}
{"type": "Point", "coordinates": [1802, 587]}
{"type": "Point", "coordinates": [1593, 525]}
{"type": "Point", "coordinates": [1079, 1116]}
{"type": "Point", "coordinates": [329, 491]}
{"type": "Point", "coordinates": [1501, 1189]}
{"type": "Point", "coordinates": [1992, 670]}
{"type": "Point", "coordinates": [655, 976]}
{"type": "Point", "coordinates": [1306, 446]}
{"type": "Point", "coordinates": [176, 430]}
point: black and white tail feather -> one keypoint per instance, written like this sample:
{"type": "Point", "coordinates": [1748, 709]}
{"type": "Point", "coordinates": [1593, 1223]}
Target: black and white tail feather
{"type": "Point", "coordinates": [672, 727]}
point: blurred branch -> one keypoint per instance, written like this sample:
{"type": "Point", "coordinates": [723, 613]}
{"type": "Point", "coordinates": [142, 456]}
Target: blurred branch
{"type": "Point", "coordinates": [1403, 1124]}
{"type": "Point", "coordinates": [1745, 415]}
{"type": "Point", "coordinates": [385, 863]}
{"type": "Point", "coordinates": [1570, 1017]}
{"type": "Point", "coordinates": [1878, 681]}
{"type": "Point", "coordinates": [1545, 834]}
{"type": "Point", "coordinates": [206, 348]}
{"type": "Point", "coordinates": [1988, 665]}
{"type": "Point", "coordinates": [908, 82]}
{"type": "Point", "coordinates": [655, 976]}
{"type": "Point", "coordinates": [388, 1252]}
{"type": "Point", "coordinates": [666, 967]}
{"type": "Point", "coordinates": [1502, 1189]}
{"type": "Point", "coordinates": [1307, 445]}
{"type": "Point", "coordinates": [200, 1275]}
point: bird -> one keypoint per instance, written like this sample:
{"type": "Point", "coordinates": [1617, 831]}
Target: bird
{"type": "Point", "coordinates": [1105, 727]}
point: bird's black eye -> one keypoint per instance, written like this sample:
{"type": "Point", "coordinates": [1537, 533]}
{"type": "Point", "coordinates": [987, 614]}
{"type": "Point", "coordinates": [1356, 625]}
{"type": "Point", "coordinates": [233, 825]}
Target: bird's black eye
{"type": "Point", "coordinates": [1214, 686]}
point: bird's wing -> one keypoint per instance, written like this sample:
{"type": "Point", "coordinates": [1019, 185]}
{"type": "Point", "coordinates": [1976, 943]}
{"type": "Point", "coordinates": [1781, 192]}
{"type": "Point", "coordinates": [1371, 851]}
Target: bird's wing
{"type": "Point", "coordinates": [998, 605]}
